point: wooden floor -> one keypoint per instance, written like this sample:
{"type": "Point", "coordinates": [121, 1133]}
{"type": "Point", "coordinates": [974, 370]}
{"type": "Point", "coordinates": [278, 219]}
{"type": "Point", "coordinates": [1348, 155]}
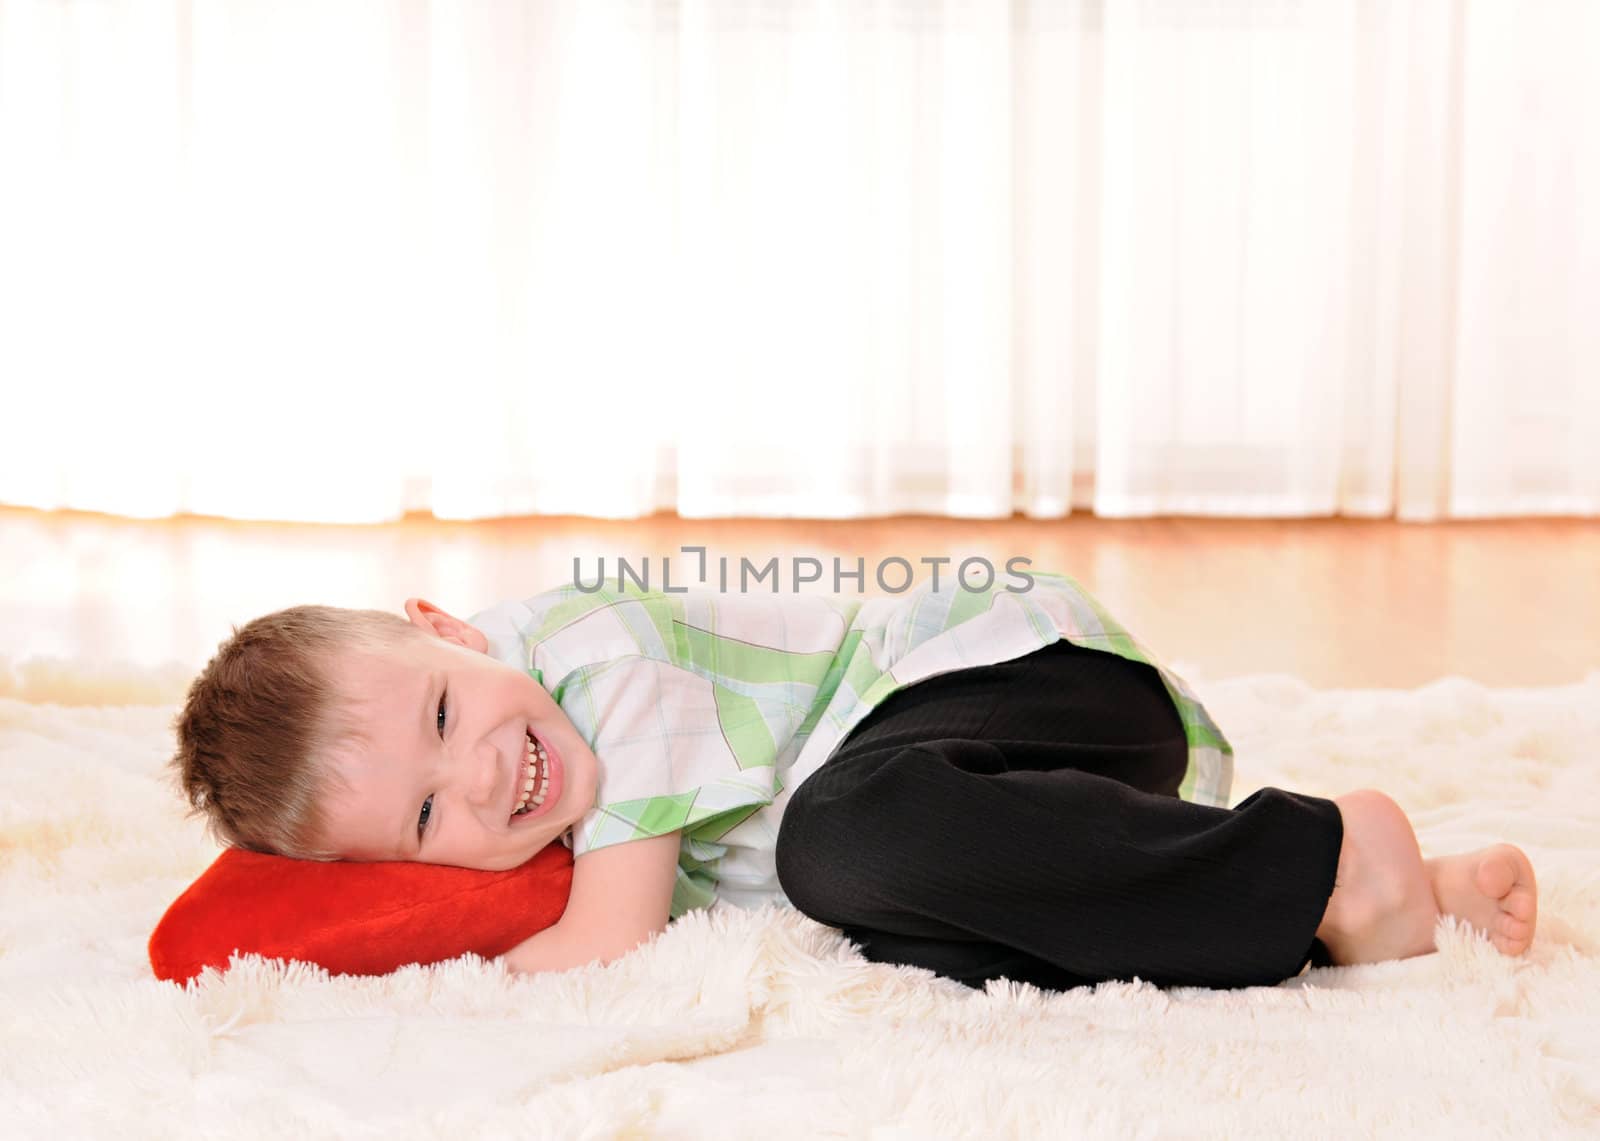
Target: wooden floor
{"type": "Point", "coordinates": [1337, 602]}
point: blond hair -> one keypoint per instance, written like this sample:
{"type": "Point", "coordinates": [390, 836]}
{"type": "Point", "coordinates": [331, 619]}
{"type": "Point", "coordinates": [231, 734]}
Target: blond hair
{"type": "Point", "coordinates": [261, 721]}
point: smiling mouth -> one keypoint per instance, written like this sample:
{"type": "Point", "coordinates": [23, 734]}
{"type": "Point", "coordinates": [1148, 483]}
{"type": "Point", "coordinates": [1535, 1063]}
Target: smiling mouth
{"type": "Point", "coordinates": [535, 779]}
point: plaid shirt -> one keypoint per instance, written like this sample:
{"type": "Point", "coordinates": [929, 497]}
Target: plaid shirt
{"type": "Point", "coordinates": [706, 710]}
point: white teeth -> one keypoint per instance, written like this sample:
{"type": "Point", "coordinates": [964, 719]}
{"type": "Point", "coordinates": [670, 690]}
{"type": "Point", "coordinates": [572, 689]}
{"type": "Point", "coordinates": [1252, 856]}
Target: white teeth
{"type": "Point", "coordinates": [538, 768]}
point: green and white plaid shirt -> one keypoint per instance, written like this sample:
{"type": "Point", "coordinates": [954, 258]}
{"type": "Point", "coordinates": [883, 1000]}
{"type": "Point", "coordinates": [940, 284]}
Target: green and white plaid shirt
{"type": "Point", "coordinates": [707, 710]}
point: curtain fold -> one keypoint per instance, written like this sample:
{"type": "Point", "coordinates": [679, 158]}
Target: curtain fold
{"type": "Point", "coordinates": [800, 258]}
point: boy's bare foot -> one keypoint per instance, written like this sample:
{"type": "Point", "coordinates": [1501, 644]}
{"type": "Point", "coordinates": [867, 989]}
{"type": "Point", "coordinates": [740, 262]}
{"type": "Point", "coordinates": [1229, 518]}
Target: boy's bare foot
{"type": "Point", "coordinates": [1493, 889]}
{"type": "Point", "coordinates": [1383, 904]}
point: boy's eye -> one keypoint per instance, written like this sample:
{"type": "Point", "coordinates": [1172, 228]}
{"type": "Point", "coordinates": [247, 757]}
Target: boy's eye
{"type": "Point", "coordinates": [439, 719]}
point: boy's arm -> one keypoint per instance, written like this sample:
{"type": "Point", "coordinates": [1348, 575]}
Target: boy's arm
{"type": "Point", "coordinates": [621, 896]}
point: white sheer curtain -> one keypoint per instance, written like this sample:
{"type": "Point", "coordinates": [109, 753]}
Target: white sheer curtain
{"type": "Point", "coordinates": [795, 257]}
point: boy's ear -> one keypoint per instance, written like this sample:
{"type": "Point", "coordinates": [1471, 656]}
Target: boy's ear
{"type": "Point", "coordinates": [427, 617]}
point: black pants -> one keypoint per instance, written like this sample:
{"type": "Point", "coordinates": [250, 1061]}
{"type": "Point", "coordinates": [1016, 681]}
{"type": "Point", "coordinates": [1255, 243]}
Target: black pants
{"type": "Point", "coordinates": [1021, 820]}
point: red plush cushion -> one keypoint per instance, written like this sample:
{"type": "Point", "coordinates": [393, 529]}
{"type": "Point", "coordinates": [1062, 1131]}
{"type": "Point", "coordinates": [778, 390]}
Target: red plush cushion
{"type": "Point", "coordinates": [355, 918]}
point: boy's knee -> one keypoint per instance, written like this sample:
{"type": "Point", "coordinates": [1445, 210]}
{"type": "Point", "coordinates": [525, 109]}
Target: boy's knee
{"type": "Point", "coordinates": [814, 851]}
{"type": "Point", "coordinates": [1171, 764]}
{"type": "Point", "coordinates": [1167, 752]}
{"type": "Point", "coordinates": [795, 851]}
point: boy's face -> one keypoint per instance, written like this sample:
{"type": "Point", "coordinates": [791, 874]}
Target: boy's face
{"type": "Point", "coordinates": [446, 755]}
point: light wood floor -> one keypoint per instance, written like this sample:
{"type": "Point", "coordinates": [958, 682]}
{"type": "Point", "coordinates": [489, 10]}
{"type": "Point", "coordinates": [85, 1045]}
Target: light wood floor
{"type": "Point", "coordinates": [1337, 602]}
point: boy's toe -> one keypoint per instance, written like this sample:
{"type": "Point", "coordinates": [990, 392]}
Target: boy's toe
{"type": "Point", "coordinates": [1514, 928]}
{"type": "Point", "coordinates": [1494, 890]}
{"type": "Point", "coordinates": [1496, 873]}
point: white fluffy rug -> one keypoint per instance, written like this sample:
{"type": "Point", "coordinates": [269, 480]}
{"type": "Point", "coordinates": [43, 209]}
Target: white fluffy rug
{"type": "Point", "coordinates": [737, 1025]}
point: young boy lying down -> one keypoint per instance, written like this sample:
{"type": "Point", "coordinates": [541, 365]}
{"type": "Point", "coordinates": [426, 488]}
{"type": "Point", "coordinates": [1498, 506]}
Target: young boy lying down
{"type": "Point", "coordinates": [1002, 783]}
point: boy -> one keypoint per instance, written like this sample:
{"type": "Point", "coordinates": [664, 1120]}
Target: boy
{"type": "Point", "coordinates": [1001, 783]}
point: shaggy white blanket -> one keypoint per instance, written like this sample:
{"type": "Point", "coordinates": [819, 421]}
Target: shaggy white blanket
{"type": "Point", "coordinates": [765, 1024]}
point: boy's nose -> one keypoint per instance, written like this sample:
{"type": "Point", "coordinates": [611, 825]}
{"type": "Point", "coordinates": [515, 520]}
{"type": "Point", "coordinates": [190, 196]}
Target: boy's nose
{"type": "Point", "coordinates": [493, 770]}
{"type": "Point", "coordinates": [488, 774]}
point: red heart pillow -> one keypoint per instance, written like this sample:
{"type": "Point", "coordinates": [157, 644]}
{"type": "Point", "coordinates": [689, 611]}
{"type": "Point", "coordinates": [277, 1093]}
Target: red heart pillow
{"type": "Point", "coordinates": [355, 918]}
